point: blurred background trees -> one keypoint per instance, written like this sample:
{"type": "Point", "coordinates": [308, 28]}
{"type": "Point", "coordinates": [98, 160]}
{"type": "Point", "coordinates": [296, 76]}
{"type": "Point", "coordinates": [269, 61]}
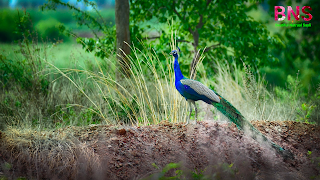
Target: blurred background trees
{"type": "Point", "coordinates": [222, 27]}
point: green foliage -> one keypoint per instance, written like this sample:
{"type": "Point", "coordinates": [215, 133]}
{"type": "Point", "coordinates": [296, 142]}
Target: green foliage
{"type": "Point", "coordinates": [221, 26]}
{"type": "Point", "coordinates": [101, 45]}
{"type": "Point", "coordinates": [73, 115]}
{"type": "Point", "coordinates": [24, 69]}
{"type": "Point", "coordinates": [166, 169]}
{"type": "Point", "coordinates": [3, 177]}
{"type": "Point", "coordinates": [125, 108]}
{"type": "Point", "coordinates": [66, 17]}
{"type": "Point", "coordinates": [7, 25]}
{"type": "Point", "coordinates": [291, 94]}
{"type": "Point", "coordinates": [292, 90]}
{"type": "Point", "coordinates": [304, 113]}
{"type": "Point", "coordinates": [48, 28]}
{"type": "Point", "coordinates": [62, 15]}
{"type": "Point", "coordinates": [7, 166]}
{"type": "Point", "coordinates": [12, 23]}
{"type": "Point", "coordinates": [301, 46]}
{"type": "Point", "coordinates": [275, 76]}
{"type": "Point", "coordinates": [315, 101]}
{"type": "Point", "coordinates": [22, 178]}
{"type": "Point", "coordinates": [227, 31]}
{"type": "Point", "coordinates": [228, 168]}
{"type": "Point", "coordinates": [314, 160]}
{"type": "Point", "coordinates": [9, 19]}
{"type": "Point", "coordinates": [196, 175]}
{"type": "Point", "coordinates": [309, 154]}
{"type": "Point", "coordinates": [221, 169]}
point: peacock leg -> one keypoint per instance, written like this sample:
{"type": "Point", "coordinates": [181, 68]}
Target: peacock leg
{"type": "Point", "coordinates": [196, 110]}
{"type": "Point", "coordinates": [190, 110]}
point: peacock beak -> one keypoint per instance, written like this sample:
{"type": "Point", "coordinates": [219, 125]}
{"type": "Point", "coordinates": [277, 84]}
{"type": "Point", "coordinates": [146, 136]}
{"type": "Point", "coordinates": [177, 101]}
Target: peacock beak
{"type": "Point", "coordinates": [170, 53]}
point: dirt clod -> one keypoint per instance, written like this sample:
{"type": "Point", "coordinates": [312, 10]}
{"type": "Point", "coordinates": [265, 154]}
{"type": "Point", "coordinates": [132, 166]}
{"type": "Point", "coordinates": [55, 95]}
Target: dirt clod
{"type": "Point", "coordinates": [121, 132]}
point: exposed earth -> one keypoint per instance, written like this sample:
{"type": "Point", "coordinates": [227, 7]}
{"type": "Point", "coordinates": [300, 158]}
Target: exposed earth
{"type": "Point", "coordinates": [209, 149]}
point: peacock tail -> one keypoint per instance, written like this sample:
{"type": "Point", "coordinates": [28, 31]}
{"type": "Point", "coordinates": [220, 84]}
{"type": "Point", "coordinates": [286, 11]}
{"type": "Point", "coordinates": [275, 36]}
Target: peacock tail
{"type": "Point", "coordinates": [227, 109]}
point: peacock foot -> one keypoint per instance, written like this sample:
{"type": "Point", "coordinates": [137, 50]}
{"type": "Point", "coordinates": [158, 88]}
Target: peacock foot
{"type": "Point", "coordinates": [186, 123]}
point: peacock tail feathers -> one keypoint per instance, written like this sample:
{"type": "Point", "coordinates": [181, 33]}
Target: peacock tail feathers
{"type": "Point", "coordinates": [227, 109]}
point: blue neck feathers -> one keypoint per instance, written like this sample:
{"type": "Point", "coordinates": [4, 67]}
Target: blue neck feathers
{"type": "Point", "coordinates": [177, 71]}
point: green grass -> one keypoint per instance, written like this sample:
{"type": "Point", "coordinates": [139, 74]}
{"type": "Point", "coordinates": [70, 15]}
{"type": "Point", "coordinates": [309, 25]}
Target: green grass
{"type": "Point", "coordinates": [61, 55]}
{"type": "Point", "coordinates": [46, 22]}
{"type": "Point", "coordinates": [62, 15]}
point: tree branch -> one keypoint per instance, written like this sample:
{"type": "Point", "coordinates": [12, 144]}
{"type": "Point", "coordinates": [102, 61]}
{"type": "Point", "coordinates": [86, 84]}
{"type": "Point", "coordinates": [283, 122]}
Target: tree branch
{"type": "Point", "coordinates": [177, 13]}
{"type": "Point", "coordinates": [181, 40]}
{"type": "Point", "coordinates": [181, 18]}
{"type": "Point", "coordinates": [154, 37]}
{"type": "Point", "coordinates": [212, 47]}
{"type": "Point", "coordinates": [200, 24]}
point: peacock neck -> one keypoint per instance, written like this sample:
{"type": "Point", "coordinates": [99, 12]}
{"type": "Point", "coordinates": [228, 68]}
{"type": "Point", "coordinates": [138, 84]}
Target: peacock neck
{"type": "Point", "coordinates": [177, 71]}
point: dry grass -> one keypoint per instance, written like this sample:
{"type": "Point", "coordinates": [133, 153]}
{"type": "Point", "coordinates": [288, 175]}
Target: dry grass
{"type": "Point", "coordinates": [250, 94]}
{"type": "Point", "coordinates": [38, 154]}
{"type": "Point", "coordinates": [46, 154]}
{"type": "Point", "coordinates": [148, 96]}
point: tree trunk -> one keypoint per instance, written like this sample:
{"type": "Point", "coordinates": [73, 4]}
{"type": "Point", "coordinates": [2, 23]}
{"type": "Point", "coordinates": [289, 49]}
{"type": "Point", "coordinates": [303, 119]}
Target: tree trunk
{"type": "Point", "coordinates": [122, 11]}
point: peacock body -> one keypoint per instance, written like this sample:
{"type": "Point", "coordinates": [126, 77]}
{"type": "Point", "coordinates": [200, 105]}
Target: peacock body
{"type": "Point", "coordinates": [193, 90]}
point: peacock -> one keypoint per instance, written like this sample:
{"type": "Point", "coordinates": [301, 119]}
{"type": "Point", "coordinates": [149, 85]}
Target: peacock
{"type": "Point", "coordinates": [193, 90]}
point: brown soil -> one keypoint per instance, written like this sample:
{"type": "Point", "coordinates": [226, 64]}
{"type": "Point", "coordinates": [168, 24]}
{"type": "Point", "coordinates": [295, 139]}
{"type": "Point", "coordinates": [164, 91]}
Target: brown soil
{"type": "Point", "coordinates": [215, 150]}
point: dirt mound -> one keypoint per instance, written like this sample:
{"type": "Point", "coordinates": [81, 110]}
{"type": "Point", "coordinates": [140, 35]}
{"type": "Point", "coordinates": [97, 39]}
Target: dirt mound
{"type": "Point", "coordinates": [208, 149]}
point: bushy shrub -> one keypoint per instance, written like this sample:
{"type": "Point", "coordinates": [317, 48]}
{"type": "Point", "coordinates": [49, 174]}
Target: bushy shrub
{"type": "Point", "coordinates": [8, 25]}
{"type": "Point", "coordinates": [24, 70]}
{"type": "Point", "coordinates": [48, 29]}
{"type": "Point", "coordinates": [63, 16]}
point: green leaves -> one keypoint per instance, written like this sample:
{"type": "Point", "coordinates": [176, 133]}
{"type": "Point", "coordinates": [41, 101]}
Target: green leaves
{"type": "Point", "coordinates": [304, 113]}
{"type": "Point", "coordinates": [298, 49]}
{"type": "Point", "coordinates": [223, 22]}
{"type": "Point", "coordinates": [101, 46]}
{"type": "Point", "coordinates": [161, 175]}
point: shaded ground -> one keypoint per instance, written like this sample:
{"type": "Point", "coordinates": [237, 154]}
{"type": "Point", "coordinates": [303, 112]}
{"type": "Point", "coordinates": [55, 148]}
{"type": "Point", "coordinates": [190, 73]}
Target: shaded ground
{"type": "Point", "coordinates": [215, 150]}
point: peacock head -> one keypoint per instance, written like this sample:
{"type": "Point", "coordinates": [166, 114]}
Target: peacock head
{"type": "Point", "coordinates": [174, 53]}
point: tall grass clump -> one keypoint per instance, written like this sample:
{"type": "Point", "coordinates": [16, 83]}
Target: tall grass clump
{"type": "Point", "coordinates": [32, 95]}
{"type": "Point", "coordinates": [250, 94]}
{"type": "Point", "coordinates": [23, 80]}
{"type": "Point", "coordinates": [38, 95]}
{"type": "Point", "coordinates": [316, 115]}
{"type": "Point", "coordinates": [148, 96]}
